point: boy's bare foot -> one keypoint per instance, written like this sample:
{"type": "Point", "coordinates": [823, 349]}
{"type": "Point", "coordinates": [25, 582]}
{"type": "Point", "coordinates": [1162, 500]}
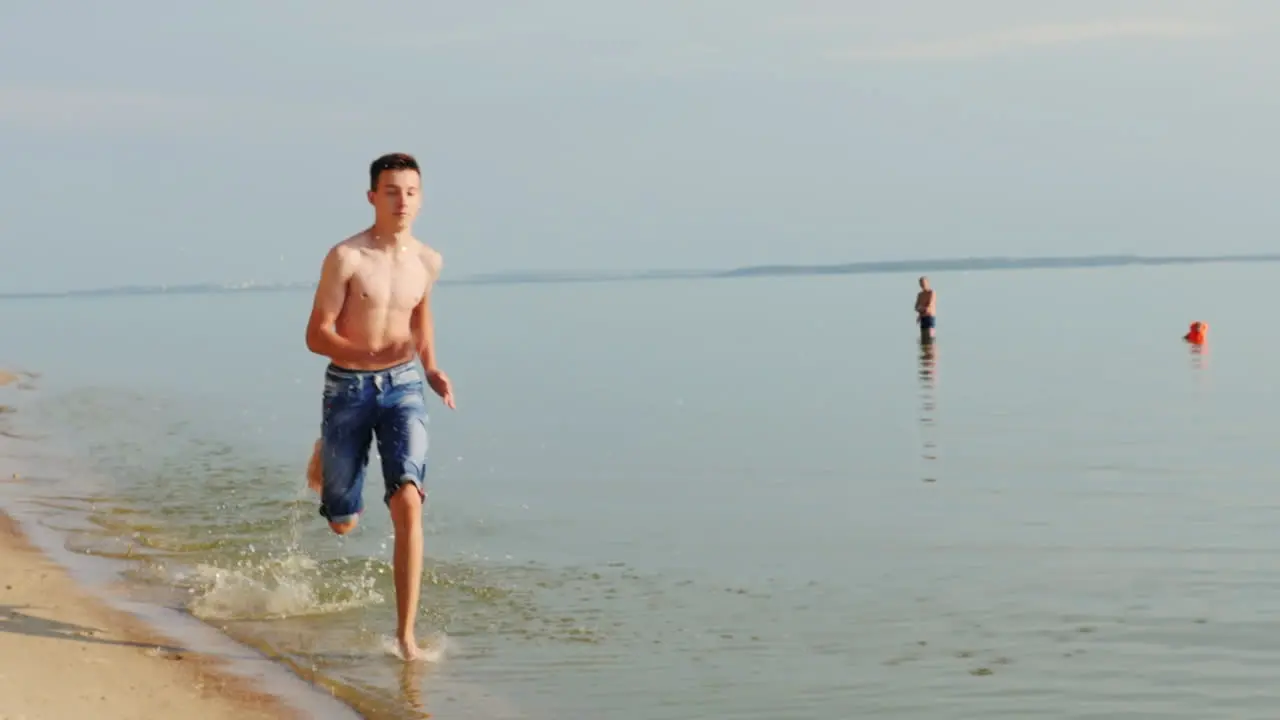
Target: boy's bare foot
{"type": "Point", "coordinates": [315, 478]}
{"type": "Point", "coordinates": [409, 649]}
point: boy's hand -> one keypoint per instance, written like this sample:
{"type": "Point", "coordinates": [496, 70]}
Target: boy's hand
{"type": "Point", "coordinates": [439, 382]}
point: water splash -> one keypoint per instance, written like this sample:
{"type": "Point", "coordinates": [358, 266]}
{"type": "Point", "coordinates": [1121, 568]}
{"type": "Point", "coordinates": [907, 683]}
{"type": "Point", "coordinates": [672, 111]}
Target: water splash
{"type": "Point", "coordinates": [276, 587]}
{"type": "Point", "coordinates": [433, 651]}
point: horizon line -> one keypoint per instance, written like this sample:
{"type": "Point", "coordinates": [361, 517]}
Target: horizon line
{"type": "Point", "coordinates": [516, 277]}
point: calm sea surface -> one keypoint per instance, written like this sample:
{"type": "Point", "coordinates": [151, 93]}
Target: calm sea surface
{"type": "Point", "coordinates": [750, 498]}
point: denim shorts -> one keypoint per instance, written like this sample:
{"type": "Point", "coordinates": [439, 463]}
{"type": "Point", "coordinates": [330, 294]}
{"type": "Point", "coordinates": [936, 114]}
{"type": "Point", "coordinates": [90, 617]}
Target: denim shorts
{"type": "Point", "coordinates": [360, 406]}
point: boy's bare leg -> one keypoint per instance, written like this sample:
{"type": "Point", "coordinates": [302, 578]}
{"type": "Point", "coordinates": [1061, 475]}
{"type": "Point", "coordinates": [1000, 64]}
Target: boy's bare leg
{"type": "Point", "coordinates": [315, 478]}
{"type": "Point", "coordinates": [406, 518]}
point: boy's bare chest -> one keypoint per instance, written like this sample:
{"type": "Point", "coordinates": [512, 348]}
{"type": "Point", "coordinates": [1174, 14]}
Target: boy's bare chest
{"type": "Point", "coordinates": [397, 282]}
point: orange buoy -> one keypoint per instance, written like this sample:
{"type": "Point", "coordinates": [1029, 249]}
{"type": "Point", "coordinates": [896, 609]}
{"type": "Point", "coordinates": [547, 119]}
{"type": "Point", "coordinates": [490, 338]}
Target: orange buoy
{"type": "Point", "coordinates": [1198, 333]}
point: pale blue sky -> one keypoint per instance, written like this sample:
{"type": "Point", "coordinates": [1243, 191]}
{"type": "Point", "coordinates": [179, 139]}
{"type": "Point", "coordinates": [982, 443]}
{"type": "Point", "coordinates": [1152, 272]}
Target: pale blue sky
{"type": "Point", "coordinates": [149, 142]}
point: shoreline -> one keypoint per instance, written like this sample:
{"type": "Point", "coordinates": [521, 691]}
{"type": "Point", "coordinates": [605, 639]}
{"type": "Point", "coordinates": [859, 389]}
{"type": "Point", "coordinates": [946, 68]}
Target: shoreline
{"type": "Point", "coordinates": [71, 647]}
{"type": "Point", "coordinates": [129, 669]}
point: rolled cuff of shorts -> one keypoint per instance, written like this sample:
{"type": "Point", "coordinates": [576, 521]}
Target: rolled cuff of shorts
{"type": "Point", "coordinates": [338, 519]}
{"type": "Point", "coordinates": [406, 479]}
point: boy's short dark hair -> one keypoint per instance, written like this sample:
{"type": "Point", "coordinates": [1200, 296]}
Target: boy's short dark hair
{"type": "Point", "coordinates": [391, 161]}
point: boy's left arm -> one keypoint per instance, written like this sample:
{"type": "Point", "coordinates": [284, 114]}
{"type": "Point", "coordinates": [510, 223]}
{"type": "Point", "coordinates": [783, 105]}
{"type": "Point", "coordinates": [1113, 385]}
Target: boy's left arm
{"type": "Point", "coordinates": [424, 331]}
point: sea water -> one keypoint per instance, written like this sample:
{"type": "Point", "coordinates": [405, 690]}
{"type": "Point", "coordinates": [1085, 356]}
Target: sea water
{"type": "Point", "coordinates": [734, 498]}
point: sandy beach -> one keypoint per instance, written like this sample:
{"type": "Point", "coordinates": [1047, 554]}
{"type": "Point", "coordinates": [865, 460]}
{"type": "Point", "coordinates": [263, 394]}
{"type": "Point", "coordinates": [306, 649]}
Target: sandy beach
{"type": "Point", "coordinates": [65, 653]}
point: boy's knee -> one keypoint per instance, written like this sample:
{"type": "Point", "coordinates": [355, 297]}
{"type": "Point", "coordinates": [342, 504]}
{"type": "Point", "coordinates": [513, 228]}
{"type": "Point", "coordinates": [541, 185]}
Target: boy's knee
{"type": "Point", "coordinates": [343, 527]}
{"type": "Point", "coordinates": [406, 502]}
{"type": "Point", "coordinates": [407, 496]}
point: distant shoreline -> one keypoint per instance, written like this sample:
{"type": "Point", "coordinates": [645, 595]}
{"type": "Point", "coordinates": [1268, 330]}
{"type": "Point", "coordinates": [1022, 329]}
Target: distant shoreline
{"type": "Point", "coordinates": [974, 264]}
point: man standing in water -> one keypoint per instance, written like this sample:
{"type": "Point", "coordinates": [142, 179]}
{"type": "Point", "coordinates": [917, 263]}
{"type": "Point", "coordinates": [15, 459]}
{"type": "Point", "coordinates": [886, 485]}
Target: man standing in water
{"type": "Point", "coordinates": [372, 318]}
{"type": "Point", "coordinates": [926, 310]}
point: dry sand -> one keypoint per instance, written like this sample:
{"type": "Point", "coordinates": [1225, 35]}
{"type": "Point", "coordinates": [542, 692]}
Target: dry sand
{"type": "Point", "coordinates": [66, 654]}
{"type": "Point", "coordinates": [7, 377]}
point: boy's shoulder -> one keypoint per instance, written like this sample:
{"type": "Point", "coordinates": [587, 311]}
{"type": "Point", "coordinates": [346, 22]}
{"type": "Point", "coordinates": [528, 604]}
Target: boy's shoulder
{"type": "Point", "coordinates": [432, 259]}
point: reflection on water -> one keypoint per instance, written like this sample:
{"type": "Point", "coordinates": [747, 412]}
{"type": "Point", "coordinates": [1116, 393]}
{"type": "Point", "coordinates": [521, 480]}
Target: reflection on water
{"type": "Point", "coordinates": [928, 375]}
{"type": "Point", "coordinates": [411, 682]}
{"type": "Point", "coordinates": [1201, 377]}
{"type": "Point", "coordinates": [1199, 356]}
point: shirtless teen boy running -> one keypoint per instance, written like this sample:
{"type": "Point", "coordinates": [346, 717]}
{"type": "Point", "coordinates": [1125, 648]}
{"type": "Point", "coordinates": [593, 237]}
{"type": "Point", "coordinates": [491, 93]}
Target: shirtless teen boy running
{"type": "Point", "coordinates": [371, 318]}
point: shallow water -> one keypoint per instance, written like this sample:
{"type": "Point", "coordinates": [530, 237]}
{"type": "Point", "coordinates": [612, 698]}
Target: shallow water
{"type": "Point", "coordinates": [732, 499]}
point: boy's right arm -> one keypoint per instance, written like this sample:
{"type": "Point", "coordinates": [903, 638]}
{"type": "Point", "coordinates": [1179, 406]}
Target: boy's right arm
{"type": "Point", "coordinates": [331, 294]}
